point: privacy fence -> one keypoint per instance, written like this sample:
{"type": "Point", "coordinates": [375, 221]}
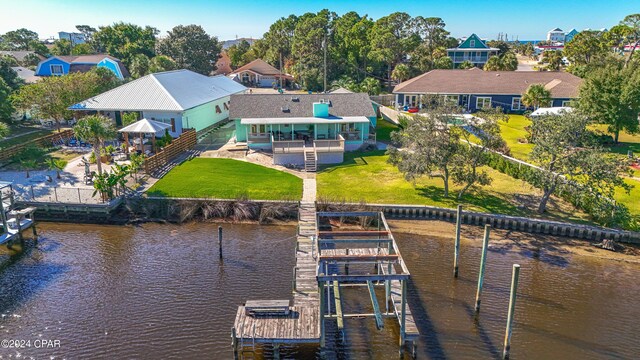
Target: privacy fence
{"type": "Point", "coordinates": [187, 140]}
{"type": "Point", "coordinates": [45, 141]}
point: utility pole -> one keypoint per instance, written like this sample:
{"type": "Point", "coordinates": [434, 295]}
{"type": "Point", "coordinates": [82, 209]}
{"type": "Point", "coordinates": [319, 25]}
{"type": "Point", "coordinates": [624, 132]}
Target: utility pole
{"type": "Point", "coordinates": [324, 45]}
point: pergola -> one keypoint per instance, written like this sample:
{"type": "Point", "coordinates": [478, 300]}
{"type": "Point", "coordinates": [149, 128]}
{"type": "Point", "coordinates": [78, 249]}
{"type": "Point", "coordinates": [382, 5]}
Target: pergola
{"type": "Point", "coordinates": [142, 127]}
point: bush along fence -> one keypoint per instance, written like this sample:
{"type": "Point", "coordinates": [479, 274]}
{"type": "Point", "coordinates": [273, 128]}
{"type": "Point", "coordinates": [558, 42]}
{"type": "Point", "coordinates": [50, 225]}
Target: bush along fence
{"type": "Point", "coordinates": [45, 141]}
{"type": "Point", "coordinates": [540, 226]}
{"type": "Point", "coordinates": [611, 214]}
{"type": "Point", "coordinates": [187, 140]}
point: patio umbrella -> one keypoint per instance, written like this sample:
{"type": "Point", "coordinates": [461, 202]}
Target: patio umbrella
{"type": "Point", "coordinates": [144, 126]}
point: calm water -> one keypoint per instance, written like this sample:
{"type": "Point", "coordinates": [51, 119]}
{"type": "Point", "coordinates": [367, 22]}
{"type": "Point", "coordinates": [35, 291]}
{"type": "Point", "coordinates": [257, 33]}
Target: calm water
{"type": "Point", "coordinates": [160, 291]}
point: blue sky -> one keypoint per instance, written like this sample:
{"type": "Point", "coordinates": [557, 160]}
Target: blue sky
{"type": "Point", "coordinates": [226, 19]}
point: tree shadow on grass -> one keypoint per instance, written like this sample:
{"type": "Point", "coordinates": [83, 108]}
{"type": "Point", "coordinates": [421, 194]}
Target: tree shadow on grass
{"type": "Point", "coordinates": [479, 199]}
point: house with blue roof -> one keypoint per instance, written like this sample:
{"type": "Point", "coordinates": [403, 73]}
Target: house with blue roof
{"type": "Point", "coordinates": [472, 49]}
{"type": "Point", "coordinates": [63, 65]}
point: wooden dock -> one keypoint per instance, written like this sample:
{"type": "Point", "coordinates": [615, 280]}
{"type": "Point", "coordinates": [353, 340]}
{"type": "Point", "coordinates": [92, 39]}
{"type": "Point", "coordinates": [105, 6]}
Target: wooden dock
{"type": "Point", "coordinates": [13, 221]}
{"type": "Point", "coordinates": [318, 275]}
{"type": "Point", "coordinates": [302, 323]}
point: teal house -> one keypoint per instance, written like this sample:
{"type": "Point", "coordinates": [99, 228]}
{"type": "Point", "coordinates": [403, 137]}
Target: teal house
{"type": "Point", "coordinates": [180, 98]}
{"type": "Point", "coordinates": [304, 129]}
{"type": "Point", "coordinates": [472, 49]}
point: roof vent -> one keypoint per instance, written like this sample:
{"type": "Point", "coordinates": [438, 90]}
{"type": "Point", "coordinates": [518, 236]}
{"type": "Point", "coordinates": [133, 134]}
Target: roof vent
{"type": "Point", "coordinates": [296, 99]}
{"type": "Point", "coordinates": [285, 108]}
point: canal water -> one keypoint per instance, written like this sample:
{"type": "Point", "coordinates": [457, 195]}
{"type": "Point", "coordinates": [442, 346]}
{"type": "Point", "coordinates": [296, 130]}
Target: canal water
{"type": "Point", "coordinates": [161, 292]}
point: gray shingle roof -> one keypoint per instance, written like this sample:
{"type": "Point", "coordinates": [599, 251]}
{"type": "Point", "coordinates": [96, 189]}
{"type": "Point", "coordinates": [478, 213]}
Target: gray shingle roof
{"type": "Point", "coordinates": [299, 105]}
{"type": "Point", "coordinates": [476, 81]}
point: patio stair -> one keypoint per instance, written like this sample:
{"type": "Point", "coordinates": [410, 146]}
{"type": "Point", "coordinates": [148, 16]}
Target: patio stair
{"type": "Point", "coordinates": [310, 161]}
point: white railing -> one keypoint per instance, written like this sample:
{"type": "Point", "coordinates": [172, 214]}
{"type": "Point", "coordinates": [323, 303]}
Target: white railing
{"type": "Point", "coordinates": [258, 138]}
{"type": "Point", "coordinates": [287, 146]}
{"type": "Point", "coordinates": [329, 145]}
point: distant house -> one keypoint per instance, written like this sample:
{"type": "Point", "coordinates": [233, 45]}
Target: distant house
{"type": "Point", "coordinates": [229, 43]}
{"type": "Point", "coordinates": [182, 98]}
{"type": "Point", "coordinates": [472, 49]}
{"type": "Point", "coordinates": [476, 89]}
{"type": "Point", "coordinates": [300, 128]}
{"type": "Point", "coordinates": [20, 55]}
{"type": "Point", "coordinates": [62, 65]}
{"type": "Point", "coordinates": [556, 35]}
{"type": "Point", "coordinates": [570, 35]}
{"type": "Point", "coordinates": [73, 37]}
{"type": "Point", "coordinates": [259, 73]}
{"type": "Point", "coordinates": [27, 75]}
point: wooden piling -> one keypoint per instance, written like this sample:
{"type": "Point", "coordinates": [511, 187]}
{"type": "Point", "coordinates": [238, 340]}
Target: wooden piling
{"type": "Point", "coordinates": [234, 342]}
{"type": "Point", "coordinates": [457, 241]}
{"type": "Point", "coordinates": [322, 311]}
{"type": "Point", "coordinates": [512, 306]}
{"type": "Point", "coordinates": [485, 244]}
{"type": "Point", "coordinates": [220, 241]}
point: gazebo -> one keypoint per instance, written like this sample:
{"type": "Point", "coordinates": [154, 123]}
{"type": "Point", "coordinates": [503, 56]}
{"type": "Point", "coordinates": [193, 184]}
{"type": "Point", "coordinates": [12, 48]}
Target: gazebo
{"type": "Point", "coordinates": [142, 127]}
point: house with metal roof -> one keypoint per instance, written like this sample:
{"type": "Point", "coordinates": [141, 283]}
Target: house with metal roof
{"type": "Point", "coordinates": [182, 98]}
{"type": "Point", "coordinates": [476, 89]}
{"type": "Point", "coordinates": [472, 49]}
{"type": "Point", "coordinates": [259, 73]}
{"type": "Point", "coordinates": [62, 65]}
{"type": "Point", "coordinates": [307, 129]}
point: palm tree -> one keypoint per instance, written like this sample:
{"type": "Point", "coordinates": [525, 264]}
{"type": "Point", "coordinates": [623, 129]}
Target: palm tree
{"type": "Point", "coordinates": [536, 95]}
{"type": "Point", "coordinates": [57, 165]}
{"type": "Point", "coordinates": [400, 73]}
{"type": "Point", "coordinates": [371, 86]}
{"type": "Point", "coordinates": [466, 65]}
{"type": "Point", "coordinates": [28, 164]}
{"type": "Point", "coordinates": [95, 129]}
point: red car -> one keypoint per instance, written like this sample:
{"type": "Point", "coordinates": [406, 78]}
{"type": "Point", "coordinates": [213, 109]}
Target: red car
{"type": "Point", "coordinates": [413, 110]}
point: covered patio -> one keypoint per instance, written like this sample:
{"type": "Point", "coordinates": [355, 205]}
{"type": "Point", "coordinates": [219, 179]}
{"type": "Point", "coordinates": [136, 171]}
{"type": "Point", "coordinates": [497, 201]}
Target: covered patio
{"type": "Point", "coordinates": [142, 128]}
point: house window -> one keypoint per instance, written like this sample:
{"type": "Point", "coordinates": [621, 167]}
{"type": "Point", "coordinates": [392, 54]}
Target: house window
{"type": "Point", "coordinates": [348, 127]}
{"type": "Point", "coordinates": [258, 129]}
{"type": "Point", "coordinates": [56, 69]}
{"type": "Point", "coordinates": [173, 125]}
{"type": "Point", "coordinates": [516, 104]}
{"type": "Point", "coordinates": [226, 107]}
{"type": "Point", "coordinates": [483, 102]}
{"type": "Point", "coordinates": [472, 43]}
{"type": "Point", "coordinates": [566, 103]}
{"type": "Point", "coordinates": [218, 111]}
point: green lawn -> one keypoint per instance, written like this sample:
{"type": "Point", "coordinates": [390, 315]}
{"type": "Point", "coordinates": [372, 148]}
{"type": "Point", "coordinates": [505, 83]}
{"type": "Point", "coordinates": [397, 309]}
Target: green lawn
{"type": "Point", "coordinates": [227, 179]}
{"type": "Point", "coordinates": [384, 129]}
{"type": "Point", "coordinates": [368, 177]}
{"type": "Point", "coordinates": [514, 130]}
{"type": "Point", "coordinates": [626, 141]}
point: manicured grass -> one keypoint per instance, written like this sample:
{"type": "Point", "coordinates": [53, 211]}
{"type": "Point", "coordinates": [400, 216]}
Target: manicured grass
{"type": "Point", "coordinates": [626, 141]}
{"type": "Point", "coordinates": [512, 131]}
{"type": "Point", "coordinates": [384, 129]}
{"type": "Point", "coordinates": [227, 179]}
{"type": "Point", "coordinates": [368, 177]}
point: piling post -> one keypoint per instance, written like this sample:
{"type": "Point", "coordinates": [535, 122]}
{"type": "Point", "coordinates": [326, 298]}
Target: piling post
{"type": "Point", "coordinates": [403, 312]}
{"type": "Point", "coordinates": [485, 244]}
{"type": "Point", "coordinates": [234, 343]}
{"type": "Point", "coordinates": [220, 241]}
{"type": "Point", "coordinates": [512, 306]}
{"type": "Point", "coordinates": [457, 241]}
{"type": "Point", "coordinates": [322, 311]}
{"type": "Point", "coordinates": [33, 196]}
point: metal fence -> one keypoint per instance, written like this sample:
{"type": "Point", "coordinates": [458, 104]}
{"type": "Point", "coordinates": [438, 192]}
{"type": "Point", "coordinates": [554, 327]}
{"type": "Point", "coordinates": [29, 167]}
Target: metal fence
{"type": "Point", "coordinates": [55, 194]}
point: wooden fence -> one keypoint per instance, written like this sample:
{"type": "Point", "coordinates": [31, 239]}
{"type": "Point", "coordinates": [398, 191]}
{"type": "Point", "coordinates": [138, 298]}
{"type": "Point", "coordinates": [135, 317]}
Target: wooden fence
{"type": "Point", "coordinates": [187, 140]}
{"type": "Point", "coordinates": [45, 141]}
{"type": "Point", "coordinates": [384, 99]}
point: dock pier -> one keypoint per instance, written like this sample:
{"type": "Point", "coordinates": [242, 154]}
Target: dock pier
{"type": "Point", "coordinates": [326, 260]}
{"type": "Point", "coordinates": [14, 221]}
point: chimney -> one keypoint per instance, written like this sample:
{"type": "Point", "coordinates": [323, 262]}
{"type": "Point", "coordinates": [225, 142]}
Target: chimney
{"type": "Point", "coordinates": [321, 109]}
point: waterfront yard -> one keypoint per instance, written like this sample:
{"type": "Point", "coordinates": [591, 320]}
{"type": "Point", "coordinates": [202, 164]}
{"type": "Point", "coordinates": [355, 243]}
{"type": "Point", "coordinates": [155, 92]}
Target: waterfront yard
{"type": "Point", "coordinates": [384, 129]}
{"type": "Point", "coordinates": [514, 133]}
{"type": "Point", "coordinates": [368, 177]}
{"type": "Point", "coordinates": [227, 179]}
